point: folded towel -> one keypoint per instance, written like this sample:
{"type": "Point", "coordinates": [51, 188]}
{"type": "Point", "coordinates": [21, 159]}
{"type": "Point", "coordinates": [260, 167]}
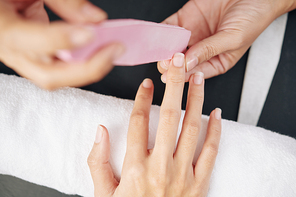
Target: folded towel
{"type": "Point", "coordinates": [263, 60]}
{"type": "Point", "coordinates": [45, 138]}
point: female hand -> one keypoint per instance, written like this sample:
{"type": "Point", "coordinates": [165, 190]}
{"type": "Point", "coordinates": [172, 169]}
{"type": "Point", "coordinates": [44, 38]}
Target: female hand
{"type": "Point", "coordinates": [223, 30]}
{"type": "Point", "coordinates": [28, 43]}
{"type": "Point", "coordinates": [161, 171]}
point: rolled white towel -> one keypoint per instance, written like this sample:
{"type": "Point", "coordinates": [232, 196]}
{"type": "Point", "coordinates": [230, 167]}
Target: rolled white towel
{"type": "Point", "coordinates": [45, 138]}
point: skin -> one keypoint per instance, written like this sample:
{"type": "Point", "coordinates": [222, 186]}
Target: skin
{"type": "Point", "coordinates": [222, 31]}
{"type": "Point", "coordinates": [161, 171]}
{"type": "Point", "coordinates": [29, 42]}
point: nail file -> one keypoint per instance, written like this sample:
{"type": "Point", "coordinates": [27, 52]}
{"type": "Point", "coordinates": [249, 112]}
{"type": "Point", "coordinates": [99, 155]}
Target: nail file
{"type": "Point", "coordinates": [144, 41]}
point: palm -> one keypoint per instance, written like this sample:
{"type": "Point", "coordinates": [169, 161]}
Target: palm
{"type": "Point", "coordinates": [240, 22]}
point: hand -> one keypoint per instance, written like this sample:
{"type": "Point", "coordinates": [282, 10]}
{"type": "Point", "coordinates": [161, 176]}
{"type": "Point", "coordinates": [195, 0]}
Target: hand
{"type": "Point", "coordinates": [161, 171]}
{"type": "Point", "coordinates": [222, 31]}
{"type": "Point", "coordinates": [29, 43]}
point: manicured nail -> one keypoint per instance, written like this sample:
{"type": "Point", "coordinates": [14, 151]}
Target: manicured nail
{"type": "Point", "coordinates": [218, 113]}
{"type": "Point", "coordinates": [178, 59]}
{"type": "Point", "coordinates": [164, 65]}
{"type": "Point", "coordinates": [81, 36]}
{"type": "Point", "coordinates": [191, 62]}
{"type": "Point", "coordinates": [94, 13]}
{"type": "Point", "coordinates": [198, 78]}
{"type": "Point", "coordinates": [163, 78]}
{"type": "Point", "coordinates": [147, 83]}
{"type": "Point", "coordinates": [99, 134]}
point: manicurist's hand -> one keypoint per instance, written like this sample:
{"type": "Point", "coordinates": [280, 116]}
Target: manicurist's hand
{"type": "Point", "coordinates": [28, 42]}
{"type": "Point", "coordinates": [161, 171]}
{"type": "Point", "coordinates": [223, 30]}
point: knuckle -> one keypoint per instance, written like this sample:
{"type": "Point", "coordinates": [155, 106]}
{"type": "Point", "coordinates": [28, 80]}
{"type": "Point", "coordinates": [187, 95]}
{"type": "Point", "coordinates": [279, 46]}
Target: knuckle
{"type": "Point", "coordinates": [136, 172]}
{"type": "Point", "coordinates": [159, 182]}
{"type": "Point", "coordinates": [210, 51]}
{"type": "Point", "coordinates": [138, 117]}
{"type": "Point", "coordinates": [176, 79]}
{"type": "Point", "coordinates": [192, 130]}
{"type": "Point", "coordinates": [170, 116]}
{"type": "Point", "coordinates": [91, 161]}
{"type": "Point", "coordinates": [212, 150]}
{"type": "Point", "coordinates": [143, 97]}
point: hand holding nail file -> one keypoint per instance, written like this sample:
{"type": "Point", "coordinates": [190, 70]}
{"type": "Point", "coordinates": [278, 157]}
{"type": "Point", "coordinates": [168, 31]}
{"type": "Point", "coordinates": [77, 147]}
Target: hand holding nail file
{"type": "Point", "coordinates": [145, 41]}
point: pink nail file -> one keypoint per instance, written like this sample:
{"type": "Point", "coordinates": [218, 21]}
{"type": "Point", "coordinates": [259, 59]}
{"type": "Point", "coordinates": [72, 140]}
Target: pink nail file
{"type": "Point", "coordinates": [144, 41]}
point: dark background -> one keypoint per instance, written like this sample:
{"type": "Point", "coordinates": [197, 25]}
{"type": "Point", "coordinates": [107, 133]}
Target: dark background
{"type": "Point", "coordinates": [223, 91]}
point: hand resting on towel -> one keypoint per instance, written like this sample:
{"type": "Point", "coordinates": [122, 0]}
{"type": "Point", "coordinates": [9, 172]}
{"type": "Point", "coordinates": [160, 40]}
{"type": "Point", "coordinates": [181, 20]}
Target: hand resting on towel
{"type": "Point", "coordinates": [161, 171]}
{"type": "Point", "coordinates": [29, 42]}
{"type": "Point", "coordinates": [223, 30]}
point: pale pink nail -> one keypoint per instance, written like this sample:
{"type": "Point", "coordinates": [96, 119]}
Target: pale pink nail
{"type": "Point", "coordinates": [164, 65]}
{"type": "Point", "coordinates": [198, 78]}
{"type": "Point", "coordinates": [191, 62]}
{"type": "Point", "coordinates": [147, 83]}
{"type": "Point", "coordinates": [99, 134]}
{"type": "Point", "coordinates": [218, 113]}
{"type": "Point", "coordinates": [178, 59]}
{"type": "Point", "coordinates": [163, 78]}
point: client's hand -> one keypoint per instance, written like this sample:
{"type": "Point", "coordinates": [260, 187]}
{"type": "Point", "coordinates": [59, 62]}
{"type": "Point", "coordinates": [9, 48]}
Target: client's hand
{"type": "Point", "coordinates": [28, 43]}
{"type": "Point", "coordinates": [223, 30]}
{"type": "Point", "coordinates": [161, 171]}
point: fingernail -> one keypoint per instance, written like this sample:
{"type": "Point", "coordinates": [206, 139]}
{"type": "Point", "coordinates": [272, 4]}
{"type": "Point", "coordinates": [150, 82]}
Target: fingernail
{"type": "Point", "coordinates": [81, 36]}
{"type": "Point", "coordinates": [178, 59]}
{"type": "Point", "coordinates": [94, 13]}
{"type": "Point", "coordinates": [99, 134]}
{"type": "Point", "coordinates": [191, 62]}
{"type": "Point", "coordinates": [218, 113]}
{"type": "Point", "coordinates": [163, 78]}
{"type": "Point", "coordinates": [198, 78]}
{"type": "Point", "coordinates": [163, 65]}
{"type": "Point", "coordinates": [147, 83]}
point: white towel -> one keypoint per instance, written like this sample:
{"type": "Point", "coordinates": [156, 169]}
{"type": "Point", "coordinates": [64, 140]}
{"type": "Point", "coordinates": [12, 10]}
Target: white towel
{"type": "Point", "coordinates": [45, 138]}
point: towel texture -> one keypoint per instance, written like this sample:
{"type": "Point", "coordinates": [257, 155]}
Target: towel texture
{"type": "Point", "coordinates": [45, 138]}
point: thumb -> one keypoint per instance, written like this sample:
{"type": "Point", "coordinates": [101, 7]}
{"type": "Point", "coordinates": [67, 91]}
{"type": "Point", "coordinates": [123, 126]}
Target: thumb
{"type": "Point", "coordinates": [77, 11]}
{"type": "Point", "coordinates": [36, 12]}
{"type": "Point", "coordinates": [210, 47]}
{"type": "Point", "coordinates": [100, 168]}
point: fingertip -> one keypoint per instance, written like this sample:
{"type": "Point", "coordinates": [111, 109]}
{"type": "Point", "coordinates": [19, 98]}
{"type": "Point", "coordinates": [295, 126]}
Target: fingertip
{"type": "Point", "coordinates": [147, 83]}
{"type": "Point", "coordinates": [164, 77]}
{"type": "Point", "coordinates": [198, 78]}
{"type": "Point", "coordinates": [218, 113]}
{"type": "Point", "coordinates": [93, 13]}
{"type": "Point", "coordinates": [99, 134]}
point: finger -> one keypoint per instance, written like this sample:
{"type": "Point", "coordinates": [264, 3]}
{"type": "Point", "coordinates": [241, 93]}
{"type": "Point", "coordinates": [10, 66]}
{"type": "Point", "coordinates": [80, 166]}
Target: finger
{"type": "Point", "coordinates": [163, 65]}
{"type": "Point", "coordinates": [36, 12]}
{"type": "Point", "coordinates": [206, 161]}
{"type": "Point", "coordinates": [77, 11]}
{"type": "Point", "coordinates": [170, 110]}
{"type": "Point", "coordinates": [164, 77]}
{"type": "Point", "coordinates": [41, 38]}
{"type": "Point", "coordinates": [192, 120]}
{"type": "Point", "coordinates": [137, 137]}
{"type": "Point", "coordinates": [62, 74]}
{"type": "Point", "coordinates": [210, 47]}
{"type": "Point", "coordinates": [218, 64]}
{"type": "Point", "coordinates": [100, 168]}
{"type": "Point", "coordinates": [172, 20]}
